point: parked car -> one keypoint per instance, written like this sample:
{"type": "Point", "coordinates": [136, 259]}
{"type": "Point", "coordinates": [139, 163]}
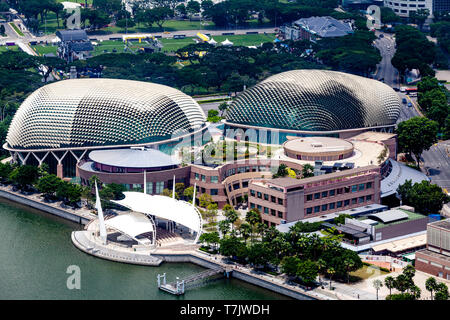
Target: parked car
{"type": "Point", "coordinates": [404, 101]}
{"type": "Point", "coordinates": [409, 104]}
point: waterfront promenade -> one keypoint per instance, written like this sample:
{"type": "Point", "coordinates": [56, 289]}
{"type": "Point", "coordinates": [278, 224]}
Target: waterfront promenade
{"type": "Point", "coordinates": [80, 215]}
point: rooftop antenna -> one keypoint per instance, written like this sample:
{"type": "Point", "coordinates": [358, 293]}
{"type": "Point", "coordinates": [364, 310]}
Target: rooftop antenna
{"type": "Point", "coordinates": [101, 220]}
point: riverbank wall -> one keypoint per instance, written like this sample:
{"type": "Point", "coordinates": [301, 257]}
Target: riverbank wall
{"type": "Point", "coordinates": [236, 273]}
{"type": "Point", "coordinates": [60, 212]}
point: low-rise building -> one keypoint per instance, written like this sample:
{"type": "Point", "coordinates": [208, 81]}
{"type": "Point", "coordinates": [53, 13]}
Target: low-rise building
{"type": "Point", "coordinates": [435, 259]}
{"type": "Point", "coordinates": [314, 28]}
{"type": "Point", "coordinates": [74, 45]}
{"type": "Point", "coordinates": [284, 200]}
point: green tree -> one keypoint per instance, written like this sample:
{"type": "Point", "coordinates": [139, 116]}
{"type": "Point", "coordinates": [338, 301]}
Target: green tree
{"type": "Point", "coordinates": [377, 284]}
{"type": "Point", "coordinates": [307, 171]}
{"type": "Point", "coordinates": [245, 230]}
{"type": "Point", "coordinates": [70, 193]}
{"type": "Point", "coordinates": [24, 176]}
{"type": "Point", "coordinates": [425, 197]}
{"type": "Point", "coordinates": [431, 285]}
{"type": "Point", "coordinates": [213, 116]}
{"type": "Point", "coordinates": [289, 265]}
{"type": "Point", "coordinates": [258, 254]}
{"type": "Point", "coordinates": [307, 270]}
{"type": "Point", "coordinates": [253, 217]}
{"type": "Point", "coordinates": [210, 238]}
{"type": "Point", "coordinates": [416, 135]}
{"type": "Point", "coordinates": [441, 292]}
{"type": "Point", "coordinates": [5, 171]}
{"type": "Point", "coordinates": [224, 227]}
{"type": "Point", "coordinates": [48, 184]}
{"type": "Point", "coordinates": [189, 193]}
{"type": "Point", "coordinates": [389, 282]}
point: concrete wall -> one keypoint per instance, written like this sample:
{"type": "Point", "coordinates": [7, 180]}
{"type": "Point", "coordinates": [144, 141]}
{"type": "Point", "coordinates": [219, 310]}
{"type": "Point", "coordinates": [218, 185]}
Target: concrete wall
{"type": "Point", "coordinates": [43, 207]}
{"type": "Point", "coordinates": [401, 229]}
{"type": "Point", "coordinates": [236, 274]}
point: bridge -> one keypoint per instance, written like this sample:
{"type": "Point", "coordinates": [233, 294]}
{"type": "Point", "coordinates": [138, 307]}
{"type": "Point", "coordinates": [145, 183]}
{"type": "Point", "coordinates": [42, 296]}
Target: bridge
{"type": "Point", "coordinates": [178, 287]}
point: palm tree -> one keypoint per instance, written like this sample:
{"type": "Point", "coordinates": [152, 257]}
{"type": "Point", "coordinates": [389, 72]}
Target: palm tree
{"type": "Point", "coordinates": [321, 264]}
{"type": "Point", "coordinates": [377, 284]}
{"type": "Point", "coordinates": [245, 230]}
{"type": "Point", "coordinates": [431, 285]}
{"type": "Point", "coordinates": [389, 282]}
{"type": "Point", "coordinates": [331, 272]}
{"type": "Point", "coordinates": [349, 264]}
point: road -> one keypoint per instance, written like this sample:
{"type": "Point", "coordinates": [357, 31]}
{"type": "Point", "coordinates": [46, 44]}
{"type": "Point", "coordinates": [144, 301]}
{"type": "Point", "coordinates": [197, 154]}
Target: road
{"type": "Point", "coordinates": [385, 70]}
{"type": "Point", "coordinates": [188, 33]}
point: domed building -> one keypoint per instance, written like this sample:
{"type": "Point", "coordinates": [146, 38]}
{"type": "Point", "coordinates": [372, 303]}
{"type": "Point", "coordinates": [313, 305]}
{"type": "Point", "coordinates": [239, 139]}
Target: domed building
{"type": "Point", "coordinates": [59, 122]}
{"type": "Point", "coordinates": [316, 102]}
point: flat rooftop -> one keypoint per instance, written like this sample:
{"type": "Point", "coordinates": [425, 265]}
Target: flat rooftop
{"type": "Point", "coordinates": [411, 216]}
{"type": "Point", "coordinates": [402, 244]}
{"type": "Point", "coordinates": [133, 158]}
{"type": "Point", "coordinates": [373, 136]}
{"type": "Point", "coordinates": [287, 182]}
{"type": "Point", "coordinates": [364, 153]}
{"type": "Point", "coordinates": [445, 224]}
{"type": "Point", "coordinates": [317, 145]}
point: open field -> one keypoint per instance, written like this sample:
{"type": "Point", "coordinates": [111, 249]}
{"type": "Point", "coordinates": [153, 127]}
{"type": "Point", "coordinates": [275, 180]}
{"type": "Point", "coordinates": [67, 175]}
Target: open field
{"type": "Point", "coordinates": [8, 48]}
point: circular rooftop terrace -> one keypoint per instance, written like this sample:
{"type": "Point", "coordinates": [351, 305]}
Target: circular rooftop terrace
{"type": "Point", "coordinates": [318, 148]}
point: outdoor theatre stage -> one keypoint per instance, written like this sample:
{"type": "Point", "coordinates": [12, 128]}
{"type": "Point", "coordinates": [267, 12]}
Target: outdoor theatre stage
{"type": "Point", "coordinates": [133, 236]}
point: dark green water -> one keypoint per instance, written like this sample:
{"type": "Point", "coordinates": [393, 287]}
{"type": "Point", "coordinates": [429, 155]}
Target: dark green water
{"type": "Point", "coordinates": [35, 251]}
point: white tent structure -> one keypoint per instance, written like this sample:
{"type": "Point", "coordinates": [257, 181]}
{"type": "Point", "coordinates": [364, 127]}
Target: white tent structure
{"type": "Point", "coordinates": [227, 42]}
{"type": "Point", "coordinates": [212, 41]}
{"type": "Point", "coordinates": [163, 207]}
{"type": "Point", "coordinates": [132, 225]}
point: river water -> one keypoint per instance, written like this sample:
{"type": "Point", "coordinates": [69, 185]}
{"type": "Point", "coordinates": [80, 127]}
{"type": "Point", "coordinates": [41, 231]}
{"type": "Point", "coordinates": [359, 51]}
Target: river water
{"type": "Point", "coordinates": [36, 250]}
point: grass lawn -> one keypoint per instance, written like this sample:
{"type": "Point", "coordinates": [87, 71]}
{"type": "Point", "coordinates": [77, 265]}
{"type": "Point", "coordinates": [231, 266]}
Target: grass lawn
{"type": "Point", "coordinates": [8, 48]}
{"type": "Point", "coordinates": [13, 25]}
{"type": "Point", "coordinates": [367, 271]}
{"type": "Point", "coordinates": [42, 49]}
{"type": "Point", "coordinates": [238, 40]}
{"type": "Point", "coordinates": [173, 44]}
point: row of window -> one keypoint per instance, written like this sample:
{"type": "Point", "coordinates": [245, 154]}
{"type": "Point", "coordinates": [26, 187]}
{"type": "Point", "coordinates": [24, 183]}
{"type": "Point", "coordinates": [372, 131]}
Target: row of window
{"type": "Point", "coordinates": [214, 192]}
{"type": "Point", "coordinates": [237, 186]}
{"type": "Point", "coordinates": [202, 177]}
{"type": "Point", "coordinates": [266, 210]}
{"type": "Point", "coordinates": [266, 197]}
{"type": "Point", "coordinates": [333, 192]}
{"type": "Point", "coordinates": [338, 204]}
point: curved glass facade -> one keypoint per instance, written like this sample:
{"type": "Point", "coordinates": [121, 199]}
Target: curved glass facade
{"type": "Point", "coordinates": [316, 100]}
{"type": "Point", "coordinates": [101, 112]}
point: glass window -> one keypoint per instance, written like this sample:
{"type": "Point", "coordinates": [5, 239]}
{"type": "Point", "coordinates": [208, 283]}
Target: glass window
{"type": "Point", "coordinates": [244, 184]}
{"type": "Point", "coordinates": [252, 205]}
{"type": "Point", "coordinates": [317, 209]}
{"type": "Point", "coordinates": [324, 194]}
{"type": "Point", "coordinates": [203, 178]}
{"type": "Point", "coordinates": [273, 199]}
{"type": "Point", "coordinates": [361, 187]}
{"type": "Point", "coordinates": [332, 192]}
{"type": "Point", "coordinates": [214, 192]}
{"type": "Point", "coordinates": [149, 187]}
{"type": "Point", "coordinates": [266, 210]}
{"type": "Point", "coordinates": [361, 199]}
{"type": "Point", "coordinates": [280, 214]}
{"type": "Point", "coordinates": [339, 204]}
{"type": "Point", "coordinates": [280, 201]}
{"type": "Point", "coordinates": [197, 176]}
{"type": "Point", "coordinates": [354, 188]}
{"type": "Point", "coordinates": [317, 195]}
{"type": "Point", "coordinates": [369, 185]}
{"type": "Point", "coordinates": [159, 187]}
{"type": "Point", "coordinates": [346, 203]}
{"type": "Point", "coordinates": [236, 186]}
{"type": "Point", "coordinates": [252, 193]}
{"type": "Point", "coordinates": [203, 190]}
{"type": "Point", "coordinates": [339, 191]}
{"type": "Point", "coordinates": [308, 210]}
{"type": "Point", "coordinates": [266, 197]}
{"type": "Point", "coordinates": [214, 179]}
{"type": "Point", "coordinates": [308, 197]}
{"type": "Point", "coordinates": [324, 207]}
{"type": "Point", "coordinates": [354, 200]}
{"type": "Point", "coordinates": [259, 207]}
{"type": "Point", "coordinates": [346, 189]}
{"type": "Point", "coordinates": [369, 198]}
{"type": "Point", "coordinates": [331, 205]}
{"type": "Point", "coordinates": [259, 195]}
{"type": "Point", "coordinates": [273, 212]}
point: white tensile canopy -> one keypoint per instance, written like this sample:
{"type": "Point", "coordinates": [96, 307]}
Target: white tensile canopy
{"type": "Point", "coordinates": [212, 41]}
{"type": "Point", "coordinates": [227, 42]}
{"type": "Point", "coordinates": [164, 207]}
{"type": "Point", "coordinates": [132, 225]}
